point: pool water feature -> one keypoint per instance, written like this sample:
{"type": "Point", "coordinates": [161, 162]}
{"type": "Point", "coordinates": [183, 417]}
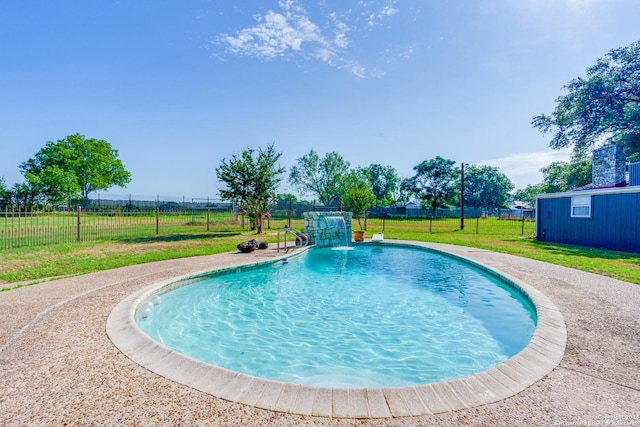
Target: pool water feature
{"type": "Point", "coordinates": [325, 229]}
{"type": "Point", "coordinates": [336, 231]}
{"type": "Point", "coordinates": [369, 317]}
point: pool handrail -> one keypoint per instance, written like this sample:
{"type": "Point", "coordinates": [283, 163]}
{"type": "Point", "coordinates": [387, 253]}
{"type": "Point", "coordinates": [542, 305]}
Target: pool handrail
{"type": "Point", "coordinates": [300, 238]}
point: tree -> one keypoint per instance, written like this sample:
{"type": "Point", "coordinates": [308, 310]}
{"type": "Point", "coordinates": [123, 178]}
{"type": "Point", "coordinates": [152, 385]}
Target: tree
{"type": "Point", "coordinates": [354, 178]}
{"type": "Point", "coordinates": [580, 172]}
{"type": "Point", "coordinates": [402, 195]}
{"type": "Point", "coordinates": [53, 184]}
{"type": "Point", "coordinates": [604, 107]}
{"type": "Point", "coordinates": [384, 182]}
{"type": "Point", "coordinates": [5, 194]}
{"type": "Point", "coordinates": [559, 177]}
{"type": "Point", "coordinates": [358, 201]}
{"type": "Point", "coordinates": [357, 196]}
{"type": "Point", "coordinates": [321, 177]}
{"type": "Point", "coordinates": [434, 182]}
{"type": "Point", "coordinates": [529, 193]}
{"type": "Point", "coordinates": [555, 177]}
{"type": "Point", "coordinates": [252, 181]}
{"type": "Point", "coordinates": [24, 195]}
{"type": "Point", "coordinates": [287, 197]}
{"type": "Point", "coordinates": [75, 166]}
{"type": "Point", "coordinates": [486, 187]}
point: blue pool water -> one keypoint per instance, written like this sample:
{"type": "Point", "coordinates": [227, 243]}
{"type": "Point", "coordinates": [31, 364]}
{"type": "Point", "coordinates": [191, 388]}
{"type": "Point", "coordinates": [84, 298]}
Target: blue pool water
{"type": "Point", "coordinates": [372, 316]}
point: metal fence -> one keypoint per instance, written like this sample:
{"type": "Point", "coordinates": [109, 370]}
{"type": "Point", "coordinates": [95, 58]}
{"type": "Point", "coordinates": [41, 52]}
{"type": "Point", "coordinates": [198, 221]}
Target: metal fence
{"type": "Point", "coordinates": [483, 225]}
{"type": "Point", "coordinates": [125, 219]}
{"type": "Point", "coordinates": [28, 228]}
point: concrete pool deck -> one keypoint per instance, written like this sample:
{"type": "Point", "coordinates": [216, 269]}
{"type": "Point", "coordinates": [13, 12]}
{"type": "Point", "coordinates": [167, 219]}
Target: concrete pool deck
{"type": "Point", "coordinates": [58, 365]}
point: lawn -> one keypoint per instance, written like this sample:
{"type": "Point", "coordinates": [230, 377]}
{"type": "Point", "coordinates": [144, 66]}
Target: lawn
{"type": "Point", "coordinates": [32, 265]}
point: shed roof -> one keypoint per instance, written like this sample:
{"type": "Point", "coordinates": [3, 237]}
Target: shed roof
{"type": "Point", "coordinates": [591, 192]}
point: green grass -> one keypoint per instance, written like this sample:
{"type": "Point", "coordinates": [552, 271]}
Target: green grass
{"type": "Point", "coordinates": [507, 238]}
{"type": "Point", "coordinates": [27, 266]}
{"type": "Point", "coordinates": [50, 228]}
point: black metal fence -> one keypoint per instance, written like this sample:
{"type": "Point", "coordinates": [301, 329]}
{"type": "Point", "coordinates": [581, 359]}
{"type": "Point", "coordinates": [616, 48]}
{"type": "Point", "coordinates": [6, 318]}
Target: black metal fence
{"type": "Point", "coordinates": [28, 228]}
{"type": "Point", "coordinates": [96, 220]}
{"type": "Point", "coordinates": [482, 225]}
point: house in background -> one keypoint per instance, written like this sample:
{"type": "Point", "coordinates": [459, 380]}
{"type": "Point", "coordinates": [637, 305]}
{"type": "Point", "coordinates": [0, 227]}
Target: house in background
{"type": "Point", "coordinates": [518, 209]}
{"type": "Point", "coordinates": [604, 215]}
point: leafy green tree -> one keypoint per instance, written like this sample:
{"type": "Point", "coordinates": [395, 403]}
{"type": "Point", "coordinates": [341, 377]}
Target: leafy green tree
{"type": "Point", "coordinates": [384, 182]}
{"type": "Point", "coordinates": [354, 178]}
{"type": "Point", "coordinates": [562, 176]}
{"type": "Point", "coordinates": [603, 107]}
{"type": "Point", "coordinates": [485, 187]}
{"type": "Point", "coordinates": [403, 192]}
{"type": "Point", "coordinates": [53, 184]}
{"type": "Point", "coordinates": [529, 193]}
{"type": "Point", "coordinates": [555, 177]}
{"type": "Point", "coordinates": [24, 195]}
{"type": "Point", "coordinates": [434, 183]}
{"type": "Point", "coordinates": [579, 172]}
{"type": "Point", "coordinates": [75, 166]}
{"type": "Point", "coordinates": [559, 177]}
{"type": "Point", "coordinates": [358, 200]}
{"type": "Point", "coordinates": [287, 197]}
{"type": "Point", "coordinates": [5, 194]}
{"type": "Point", "coordinates": [252, 181]}
{"type": "Point", "coordinates": [356, 194]}
{"type": "Point", "coordinates": [321, 177]}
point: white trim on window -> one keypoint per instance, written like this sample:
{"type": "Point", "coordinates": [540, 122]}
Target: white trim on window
{"type": "Point", "coordinates": [581, 207]}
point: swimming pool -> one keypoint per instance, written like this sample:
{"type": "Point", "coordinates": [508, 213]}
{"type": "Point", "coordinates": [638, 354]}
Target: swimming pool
{"type": "Point", "coordinates": [373, 316]}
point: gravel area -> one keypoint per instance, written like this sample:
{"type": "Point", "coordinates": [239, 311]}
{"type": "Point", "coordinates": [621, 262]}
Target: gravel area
{"type": "Point", "coordinates": [59, 367]}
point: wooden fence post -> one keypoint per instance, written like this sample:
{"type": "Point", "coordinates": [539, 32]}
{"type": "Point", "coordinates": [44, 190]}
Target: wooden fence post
{"type": "Point", "coordinates": [208, 215]}
{"type": "Point", "coordinates": [157, 220]}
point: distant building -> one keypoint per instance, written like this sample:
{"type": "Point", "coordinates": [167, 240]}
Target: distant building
{"type": "Point", "coordinates": [517, 209]}
{"type": "Point", "coordinates": [517, 204]}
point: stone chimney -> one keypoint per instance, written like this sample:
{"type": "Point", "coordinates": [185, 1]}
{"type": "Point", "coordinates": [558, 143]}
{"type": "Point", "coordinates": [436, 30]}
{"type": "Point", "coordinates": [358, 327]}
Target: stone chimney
{"type": "Point", "coordinates": [609, 167]}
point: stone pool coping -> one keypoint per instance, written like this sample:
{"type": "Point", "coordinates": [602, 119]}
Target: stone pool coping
{"type": "Point", "coordinates": [59, 367]}
{"type": "Point", "coordinates": [535, 361]}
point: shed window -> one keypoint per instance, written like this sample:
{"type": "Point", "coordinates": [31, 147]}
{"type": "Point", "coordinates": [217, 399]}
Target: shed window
{"type": "Point", "coordinates": [581, 207]}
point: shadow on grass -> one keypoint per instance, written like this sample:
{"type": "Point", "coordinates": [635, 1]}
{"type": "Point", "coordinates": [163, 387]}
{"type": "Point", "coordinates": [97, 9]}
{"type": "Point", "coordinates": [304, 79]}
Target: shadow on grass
{"type": "Point", "coordinates": [585, 251]}
{"type": "Point", "coordinates": [180, 237]}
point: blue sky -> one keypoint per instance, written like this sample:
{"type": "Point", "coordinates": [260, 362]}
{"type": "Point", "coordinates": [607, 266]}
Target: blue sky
{"type": "Point", "coordinates": [177, 85]}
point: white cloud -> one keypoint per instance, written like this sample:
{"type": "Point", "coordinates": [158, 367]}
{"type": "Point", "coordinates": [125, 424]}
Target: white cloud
{"type": "Point", "coordinates": [274, 36]}
{"type": "Point", "coordinates": [375, 17]}
{"type": "Point", "coordinates": [340, 39]}
{"type": "Point", "coordinates": [388, 11]}
{"type": "Point", "coordinates": [291, 33]}
{"type": "Point", "coordinates": [524, 168]}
